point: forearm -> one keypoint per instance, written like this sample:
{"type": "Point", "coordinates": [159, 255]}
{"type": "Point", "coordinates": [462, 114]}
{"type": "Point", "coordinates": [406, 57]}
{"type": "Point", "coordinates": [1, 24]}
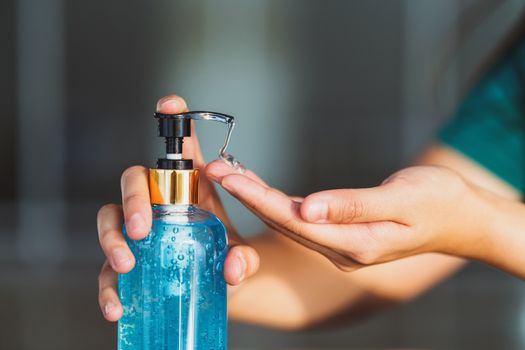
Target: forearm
{"type": "Point", "coordinates": [501, 237]}
{"type": "Point", "coordinates": [294, 287]}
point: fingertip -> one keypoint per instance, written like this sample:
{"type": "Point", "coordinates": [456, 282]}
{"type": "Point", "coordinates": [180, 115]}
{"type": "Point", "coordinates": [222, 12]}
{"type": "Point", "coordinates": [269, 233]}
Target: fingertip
{"type": "Point", "coordinates": [137, 236]}
{"type": "Point", "coordinates": [112, 311]}
{"type": "Point", "coordinates": [217, 169]}
{"type": "Point", "coordinates": [171, 104]}
{"type": "Point", "coordinates": [303, 209]}
{"type": "Point", "coordinates": [254, 262]}
{"type": "Point", "coordinates": [137, 226]}
{"type": "Point", "coordinates": [122, 260]}
{"type": "Point", "coordinates": [314, 210]}
{"type": "Point", "coordinates": [233, 269]}
{"type": "Point", "coordinates": [241, 263]}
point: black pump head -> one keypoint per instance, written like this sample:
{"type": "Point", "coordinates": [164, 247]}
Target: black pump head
{"type": "Point", "coordinates": [174, 128]}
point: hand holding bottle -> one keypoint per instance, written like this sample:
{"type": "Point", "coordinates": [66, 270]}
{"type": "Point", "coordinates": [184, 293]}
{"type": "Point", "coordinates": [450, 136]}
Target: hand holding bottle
{"type": "Point", "coordinates": [135, 212]}
{"type": "Point", "coordinates": [416, 210]}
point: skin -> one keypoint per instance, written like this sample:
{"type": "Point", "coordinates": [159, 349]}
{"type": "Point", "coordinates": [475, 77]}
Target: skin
{"type": "Point", "coordinates": [445, 205]}
{"type": "Point", "coordinates": [417, 210]}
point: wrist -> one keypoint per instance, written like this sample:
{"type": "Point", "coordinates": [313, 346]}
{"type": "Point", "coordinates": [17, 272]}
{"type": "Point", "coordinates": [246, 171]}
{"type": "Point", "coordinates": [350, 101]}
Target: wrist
{"type": "Point", "coordinates": [489, 229]}
{"type": "Point", "coordinates": [471, 231]}
{"type": "Point", "coordinates": [485, 226]}
{"type": "Point", "coordinates": [503, 234]}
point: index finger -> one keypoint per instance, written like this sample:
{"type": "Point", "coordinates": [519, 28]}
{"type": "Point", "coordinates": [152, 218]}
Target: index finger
{"type": "Point", "coordinates": [282, 213]}
{"type": "Point", "coordinates": [136, 202]}
{"type": "Point", "coordinates": [268, 203]}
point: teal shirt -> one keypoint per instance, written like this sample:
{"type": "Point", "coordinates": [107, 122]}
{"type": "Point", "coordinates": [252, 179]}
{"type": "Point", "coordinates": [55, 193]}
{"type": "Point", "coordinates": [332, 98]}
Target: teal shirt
{"type": "Point", "coordinates": [489, 125]}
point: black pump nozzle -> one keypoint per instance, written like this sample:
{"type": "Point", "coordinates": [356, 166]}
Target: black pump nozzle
{"type": "Point", "coordinates": [174, 127]}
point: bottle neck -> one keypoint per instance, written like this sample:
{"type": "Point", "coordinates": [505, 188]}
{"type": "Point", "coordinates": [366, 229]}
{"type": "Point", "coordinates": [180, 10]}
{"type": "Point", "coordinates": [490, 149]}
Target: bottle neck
{"type": "Point", "coordinates": [173, 187]}
{"type": "Point", "coordinates": [173, 208]}
{"type": "Point", "coordinates": [175, 213]}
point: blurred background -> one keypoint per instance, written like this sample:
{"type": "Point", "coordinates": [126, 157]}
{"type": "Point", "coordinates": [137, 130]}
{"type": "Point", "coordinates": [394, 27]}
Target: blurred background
{"type": "Point", "coordinates": [357, 87]}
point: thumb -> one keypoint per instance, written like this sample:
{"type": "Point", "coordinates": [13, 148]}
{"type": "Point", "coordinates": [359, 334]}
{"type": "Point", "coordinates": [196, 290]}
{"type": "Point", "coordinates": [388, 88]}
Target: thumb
{"type": "Point", "coordinates": [345, 206]}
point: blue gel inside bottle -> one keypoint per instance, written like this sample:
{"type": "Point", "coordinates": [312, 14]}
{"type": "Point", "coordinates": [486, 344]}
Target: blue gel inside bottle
{"type": "Point", "coordinates": [175, 297]}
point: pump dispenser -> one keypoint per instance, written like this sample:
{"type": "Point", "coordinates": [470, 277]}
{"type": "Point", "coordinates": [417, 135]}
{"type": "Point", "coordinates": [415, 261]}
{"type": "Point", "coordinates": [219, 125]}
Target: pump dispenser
{"type": "Point", "coordinates": [175, 296]}
{"type": "Point", "coordinates": [174, 181]}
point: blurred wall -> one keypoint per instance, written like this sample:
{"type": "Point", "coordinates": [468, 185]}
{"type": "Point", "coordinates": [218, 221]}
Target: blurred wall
{"type": "Point", "coordinates": [326, 94]}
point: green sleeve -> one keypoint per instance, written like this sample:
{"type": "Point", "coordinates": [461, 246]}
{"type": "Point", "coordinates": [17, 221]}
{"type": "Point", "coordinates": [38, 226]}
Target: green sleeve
{"type": "Point", "coordinates": [489, 126]}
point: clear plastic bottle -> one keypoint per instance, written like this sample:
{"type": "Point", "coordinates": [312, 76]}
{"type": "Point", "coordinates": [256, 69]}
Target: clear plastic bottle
{"type": "Point", "coordinates": [175, 297]}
